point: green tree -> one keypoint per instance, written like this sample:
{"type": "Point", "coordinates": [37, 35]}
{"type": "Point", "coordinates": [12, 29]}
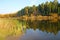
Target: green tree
{"type": "Point", "coordinates": [54, 6]}
{"type": "Point", "coordinates": [30, 11]}
{"type": "Point", "coordinates": [46, 8]}
{"type": "Point", "coordinates": [26, 10]}
{"type": "Point", "coordinates": [34, 10]}
{"type": "Point", "coordinates": [41, 9]}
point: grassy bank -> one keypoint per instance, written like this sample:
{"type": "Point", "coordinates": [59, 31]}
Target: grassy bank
{"type": "Point", "coordinates": [52, 17]}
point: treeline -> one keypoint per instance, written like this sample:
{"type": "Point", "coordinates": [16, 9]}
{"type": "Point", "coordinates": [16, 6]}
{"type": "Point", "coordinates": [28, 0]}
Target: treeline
{"type": "Point", "coordinates": [42, 9]}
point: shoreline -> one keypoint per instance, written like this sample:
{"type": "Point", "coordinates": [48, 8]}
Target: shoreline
{"type": "Point", "coordinates": [40, 18]}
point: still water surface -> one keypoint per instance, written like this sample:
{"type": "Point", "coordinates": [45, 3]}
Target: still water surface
{"type": "Point", "coordinates": [13, 29]}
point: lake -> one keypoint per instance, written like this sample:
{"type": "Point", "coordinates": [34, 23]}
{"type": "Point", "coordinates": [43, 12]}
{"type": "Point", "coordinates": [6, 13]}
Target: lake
{"type": "Point", "coordinates": [15, 29]}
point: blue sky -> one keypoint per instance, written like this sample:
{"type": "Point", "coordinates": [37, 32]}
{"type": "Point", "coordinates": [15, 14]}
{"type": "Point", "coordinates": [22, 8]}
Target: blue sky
{"type": "Point", "coordinates": [8, 6]}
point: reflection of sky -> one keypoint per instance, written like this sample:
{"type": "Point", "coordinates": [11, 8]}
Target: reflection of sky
{"type": "Point", "coordinates": [39, 35]}
{"type": "Point", "coordinates": [7, 6]}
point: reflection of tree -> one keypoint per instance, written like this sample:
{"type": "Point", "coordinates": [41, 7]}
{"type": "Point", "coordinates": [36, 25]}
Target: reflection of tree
{"type": "Point", "coordinates": [44, 26]}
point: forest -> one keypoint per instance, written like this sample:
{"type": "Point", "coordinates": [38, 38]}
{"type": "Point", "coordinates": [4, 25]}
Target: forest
{"type": "Point", "coordinates": [44, 9]}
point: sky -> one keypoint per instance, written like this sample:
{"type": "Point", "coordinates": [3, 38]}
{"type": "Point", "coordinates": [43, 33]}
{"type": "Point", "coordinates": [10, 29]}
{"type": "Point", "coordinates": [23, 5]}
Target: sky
{"type": "Point", "coordinates": [11, 6]}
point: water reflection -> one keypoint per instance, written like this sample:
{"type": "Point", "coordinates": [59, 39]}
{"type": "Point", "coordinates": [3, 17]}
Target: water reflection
{"type": "Point", "coordinates": [47, 26]}
{"type": "Point", "coordinates": [39, 35]}
{"type": "Point", "coordinates": [10, 29]}
{"type": "Point", "coordinates": [14, 29]}
{"type": "Point", "coordinates": [42, 30]}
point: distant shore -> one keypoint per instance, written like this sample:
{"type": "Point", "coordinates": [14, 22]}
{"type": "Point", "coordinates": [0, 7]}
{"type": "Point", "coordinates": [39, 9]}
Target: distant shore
{"type": "Point", "coordinates": [53, 17]}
